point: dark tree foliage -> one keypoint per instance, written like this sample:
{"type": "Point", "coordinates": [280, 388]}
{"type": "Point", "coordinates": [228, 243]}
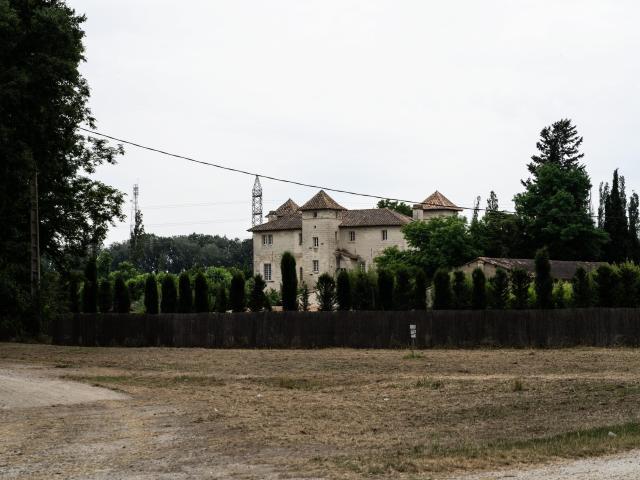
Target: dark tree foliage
{"type": "Point", "coordinates": [499, 234]}
{"type": "Point", "coordinates": [304, 297]}
{"type": "Point", "coordinates": [520, 288]}
{"type": "Point", "coordinates": [420, 291]}
{"type": "Point", "coordinates": [168, 294]}
{"type": "Point", "coordinates": [90, 288]}
{"type": "Point", "coordinates": [343, 291]}
{"type": "Point", "coordinates": [403, 294]}
{"type": "Point", "coordinates": [607, 284]}
{"type": "Point", "coordinates": [634, 228]}
{"type": "Point", "coordinates": [289, 288]}
{"type": "Point", "coordinates": [257, 299]}
{"type": "Point", "coordinates": [237, 300]}
{"type": "Point", "coordinates": [185, 299]}
{"type": "Point", "coordinates": [121, 300]}
{"type": "Point", "coordinates": [74, 299]}
{"type": "Point", "coordinates": [326, 290]}
{"type": "Point", "coordinates": [201, 293]}
{"type": "Point", "coordinates": [629, 291]}
{"type": "Point", "coordinates": [543, 281]}
{"type": "Point", "coordinates": [105, 299]}
{"type": "Point", "coordinates": [137, 241]}
{"type": "Point", "coordinates": [364, 291]}
{"type": "Point", "coordinates": [399, 207]}
{"type": "Point", "coordinates": [221, 299]}
{"type": "Point", "coordinates": [582, 290]}
{"type": "Point", "coordinates": [615, 221]}
{"type": "Point", "coordinates": [151, 294]}
{"type": "Point", "coordinates": [478, 290]}
{"type": "Point", "coordinates": [461, 294]}
{"type": "Point", "coordinates": [385, 290]}
{"type": "Point", "coordinates": [441, 290]}
{"type": "Point", "coordinates": [500, 289]}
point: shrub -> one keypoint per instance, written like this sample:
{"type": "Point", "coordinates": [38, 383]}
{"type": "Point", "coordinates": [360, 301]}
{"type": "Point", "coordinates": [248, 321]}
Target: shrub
{"type": "Point", "coordinates": [402, 295]}
{"type": "Point", "coordinates": [304, 297]}
{"type": "Point", "coordinates": [90, 287]}
{"type": "Point", "coordinates": [221, 299]}
{"type": "Point", "coordinates": [343, 290]}
{"type": "Point", "coordinates": [257, 299]}
{"type": "Point", "coordinates": [289, 282]}
{"type": "Point", "coordinates": [543, 281]}
{"type": "Point", "coordinates": [168, 294]}
{"type": "Point", "coordinates": [237, 300]}
{"type": "Point", "coordinates": [326, 291]}
{"type": "Point", "coordinates": [460, 291]}
{"type": "Point", "coordinates": [520, 288]}
{"type": "Point", "coordinates": [629, 285]}
{"type": "Point", "coordinates": [104, 296]}
{"type": "Point", "coordinates": [500, 289]}
{"type": "Point", "coordinates": [561, 294]}
{"type": "Point", "coordinates": [151, 294]}
{"type": "Point", "coordinates": [273, 297]}
{"type": "Point", "coordinates": [441, 290]}
{"type": "Point", "coordinates": [363, 292]}
{"type": "Point", "coordinates": [607, 281]}
{"type": "Point", "coordinates": [420, 291]}
{"type": "Point", "coordinates": [185, 298]}
{"type": "Point", "coordinates": [385, 290]}
{"type": "Point", "coordinates": [74, 300]}
{"type": "Point", "coordinates": [582, 290]}
{"type": "Point", "coordinates": [478, 290]}
{"type": "Point", "coordinates": [121, 299]}
{"type": "Point", "coordinates": [201, 293]}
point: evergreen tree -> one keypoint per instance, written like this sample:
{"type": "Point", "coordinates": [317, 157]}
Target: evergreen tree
{"type": "Point", "coordinates": [500, 288]}
{"type": "Point", "coordinates": [363, 292]}
{"type": "Point", "coordinates": [136, 240]}
{"type": "Point", "coordinates": [326, 291]}
{"type": "Point", "coordinates": [221, 299]}
{"type": "Point", "coordinates": [604, 193]}
{"type": "Point", "coordinates": [441, 290]}
{"type": "Point", "coordinates": [201, 293]}
{"type": "Point", "coordinates": [420, 291]}
{"type": "Point", "coordinates": [634, 228]}
{"type": "Point", "coordinates": [460, 290]}
{"type": "Point", "coordinates": [168, 294]}
{"type": "Point", "coordinates": [402, 295]}
{"type": "Point", "coordinates": [304, 297]}
{"type": "Point", "coordinates": [151, 294]}
{"type": "Point", "coordinates": [237, 299]}
{"type": "Point", "coordinates": [629, 291]}
{"type": "Point", "coordinates": [185, 299]}
{"type": "Point", "coordinates": [520, 287]}
{"type": "Point", "coordinates": [121, 300]}
{"type": "Point", "coordinates": [289, 286]}
{"type": "Point", "coordinates": [343, 292]}
{"type": "Point", "coordinates": [543, 280]}
{"type": "Point", "coordinates": [582, 291]}
{"type": "Point", "coordinates": [104, 296]}
{"type": "Point", "coordinates": [492, 203]}
{"type": "Point", "coordinates": [257, 299]}
{"type": "Point", "coordinates": [74, 300]}
{"type": "Point", "coordinates": [385, 290]}
{"type": "Point", "coordinates": [478, 290]}
{"type": "Point", "coordinates": [607, 283]}
{"type": "Point", "coordinates": [90, 289]}
{"type": "Point", "coordinates": [615, 221]}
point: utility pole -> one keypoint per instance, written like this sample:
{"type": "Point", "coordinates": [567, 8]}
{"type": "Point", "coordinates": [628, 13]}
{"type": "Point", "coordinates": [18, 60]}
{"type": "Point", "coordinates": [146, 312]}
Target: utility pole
{"type": "Point", "coordinates": [35, 237]}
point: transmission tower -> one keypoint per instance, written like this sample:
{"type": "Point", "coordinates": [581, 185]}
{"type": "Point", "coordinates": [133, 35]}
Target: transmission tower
{"type": "Point", "coordinates": [256, 203]}
{"type": "Point", "coordinates": [134, 208]}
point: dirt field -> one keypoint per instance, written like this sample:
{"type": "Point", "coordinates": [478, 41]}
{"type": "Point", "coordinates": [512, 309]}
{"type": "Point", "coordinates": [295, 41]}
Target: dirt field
{"type": "Point", "coordinates": [191, 413]}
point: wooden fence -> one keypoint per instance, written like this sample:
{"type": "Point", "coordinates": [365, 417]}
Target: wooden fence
{"type": "Point", "coordinates": [375, 329]}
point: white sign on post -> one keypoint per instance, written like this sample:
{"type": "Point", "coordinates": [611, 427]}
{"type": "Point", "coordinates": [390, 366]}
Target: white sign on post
{"type": "Point", "coordinates": [412, 331]}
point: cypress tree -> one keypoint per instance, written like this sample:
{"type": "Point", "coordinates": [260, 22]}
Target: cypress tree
{"type": "Point", "coordinates": [520, 287]}
{"type": "Point", "coordinates": [221, 299]}
{"type": "Point", "coordinates": [441, 290]}
{"type": "Point", "coordinates": [615, 221]}
{"type": "Point", "coordinates": [74, 300]}
{"type": "Point", "coordinates": [582, 291]}
{"type": "Point", "coordinates": [201, 293]}
{"type": "Point", "coordinates": [629, 285]}
{"type": "Point", "coordinates": [543, 280]}
{"type": "Point", "coordinates": [607, 282]}
{"type": "Point", "coordinates": [500, 284]}
{"type": "Point", "coordinates": [460, 291]}
{"type": "Point", "coordinates": [343, 292]}
{"type": "Point", "coordinates": [385, 290]}
{"type": "Point", "coordinates": [326, 290]}
{"type": "Point", "coordinates": [104, 296]}
{"type": "Point", "coordinates": [90, 288]}
{"type": "Point", "coordinates": [634, 228]}
{"type": "Point", "coordinates": [420, 291]}
{"type": "Point", "coordinates": [289, 282]}
{"type": "Point", "coordinates": [151, 294]}
{"type": "Point", "coordinates": [304, 297]}
{"type": "Point", "coordinates": [402, 296]}
{"type": "Point", "coordinates": [257, 300]}
{"type": "Point", "coordinates": [121, 299]}
{"type": "Point", "coordinates": [363, 292]}
{"type": "Point", "coordinates": [169, 294]}
{"type": "Point", "coordinates": [185, 299]}
{"type": "Point", "coordinates": [237, 299]}
{"type": "Point", "coordinates": [478, 290]}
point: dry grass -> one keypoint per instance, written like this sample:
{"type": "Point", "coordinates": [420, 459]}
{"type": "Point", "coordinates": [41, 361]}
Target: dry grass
{"type": "Point", "coordinates": [350, 413]}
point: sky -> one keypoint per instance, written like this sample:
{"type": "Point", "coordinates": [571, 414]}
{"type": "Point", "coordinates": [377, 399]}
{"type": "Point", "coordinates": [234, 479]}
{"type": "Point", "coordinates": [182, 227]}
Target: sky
{"type": "Point", "coordinates": [390, 98]}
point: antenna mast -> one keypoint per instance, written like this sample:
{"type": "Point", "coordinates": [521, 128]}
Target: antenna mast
{"type": "Point", "coordinates": [134, 209]}
{"type": "Point", "coordinates": [256, 203]}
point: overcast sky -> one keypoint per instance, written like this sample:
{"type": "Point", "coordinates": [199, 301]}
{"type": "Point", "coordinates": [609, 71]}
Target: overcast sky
{"type": "Point", "coordinates": [395, 98]}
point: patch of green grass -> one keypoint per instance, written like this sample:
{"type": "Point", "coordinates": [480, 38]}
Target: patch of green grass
{"type": "Point", "coordinates": [413, 355]}
{"type": "Point", "coordinates": [430, 384]}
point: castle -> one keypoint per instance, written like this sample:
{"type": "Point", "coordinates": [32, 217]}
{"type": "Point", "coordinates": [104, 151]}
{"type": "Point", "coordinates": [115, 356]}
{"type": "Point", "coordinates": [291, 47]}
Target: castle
{"type": "Point", "coordinates": [325, 237]}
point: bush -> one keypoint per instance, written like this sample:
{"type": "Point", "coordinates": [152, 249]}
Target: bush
{"type": "Point", "coordinates": [500, 289]}
{"type": "Point", "coordinates": [582, 289]}
{"type": "Point", "coordinates": [168, 294]}
{"type": "Point", "coordinates": [121, 300]}
{"type": "Point", "coordinates": [543, 281]}
{"type": "Point", "coordinates": [629, 285]}
{"type": "Point", "coordinates": [237, 300]}
{"type": "Point", "coordinates": [104, 296]}
{"type": "Point", "coordinates": [363, 292]}
{"type": "Point", "coordinates": [460, 291]}
{"type": "Point", "coordinates": [304, 297]}
{"type": "Point", "coordinates": [607, 281]}
{"type": "Point", "coordinates": [222, 303]}
{"type": "Point", "coordinates": [273, 297]}
{"type": "Point", "coordinates": [289, 282]}
{"type": "Point", "coordinates": [201, 293]}
{"type": "Point", "coordinates": [151, 294]}
{"type": "Point", "coordinates": [420, 291]}
{"type": "Point", "coordinates": [385, 290]}
{"type": "Point", "coordinates": [561, 294]}
{"type": "Point", "coordinates": [478, 290]}
{"type": "Point", "coordinates": [343, 290]}
{"type": "Point", "coordinates": [257, 299]}
{"type": "Point", "coordinates": [90, 287]}
{"type": "Point", "coordinates": [185, 298]}
{"type": "Point", "coordinates": [326, 292]}
{"type": "Point", "coordinates": [74, 299]}
{"type": "Point", "coordinates": [441, 290]}
{"type": "Point", "coordinates": [520, 287]}
{"type": "Point", "coordinates": [402, 296]}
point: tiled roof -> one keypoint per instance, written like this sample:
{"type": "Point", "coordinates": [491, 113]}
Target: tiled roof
{"type": "Point", "coordinates": [287, 207]}
{"type": "Point", "coordinates": [437, 201]}
{"type": "Point", "coordinates": [285, 222]}
{"type": "Point", "coordinates": [373, 217]}
{"type": "Point", "coordinates": [322, 201]}
{"type": "Point", "coordinates": [560, 269]}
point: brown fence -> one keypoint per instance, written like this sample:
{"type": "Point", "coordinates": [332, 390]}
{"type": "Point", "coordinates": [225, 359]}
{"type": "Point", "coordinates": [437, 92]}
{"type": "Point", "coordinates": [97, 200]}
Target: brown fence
{"type": "Point", "coordinates": [376, 329]}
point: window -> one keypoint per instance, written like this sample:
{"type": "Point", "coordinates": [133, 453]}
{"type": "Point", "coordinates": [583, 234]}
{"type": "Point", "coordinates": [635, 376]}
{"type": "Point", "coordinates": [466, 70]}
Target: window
{"type": "Point", "coordinates": [316, 266]}
{"type": "Point", "coordinates": [315, 214]}
{"type": "Point", "coordinates": [384, 235]}
{"type": "Point", "coordinates": [267, 239]}
{"type": "Point", "coordinates": [352, 236]}
{"type": "Point", "coordinates": [363, 267]}
{"type": "Point", "coordinates": [316, 242]}
{"type": "Point", "coordinates": [299, 239]}
{"type": "Point", "coordinates": [300, 279]}
{"type": "Point", "coordinates": [267, 272]}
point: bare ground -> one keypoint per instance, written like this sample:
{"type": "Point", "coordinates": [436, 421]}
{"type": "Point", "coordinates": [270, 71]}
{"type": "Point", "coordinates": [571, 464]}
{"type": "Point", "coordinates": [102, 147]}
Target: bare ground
{"type": "Point", "coordinates": [194, 413]}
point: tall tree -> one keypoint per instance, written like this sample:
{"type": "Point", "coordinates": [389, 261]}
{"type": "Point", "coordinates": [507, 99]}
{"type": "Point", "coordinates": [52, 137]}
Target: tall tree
{"type": "Point", "coordinates": [121, 300]}
{"type": "Point", "coordinates": [343, 291]}
{"type": "Point", "coordinates": [201, 293]}
{"type": "Point", "coordinates": [634, 228]}
{"type": "Point", "coordinates": [151, 294]}
{"type": "Point", "coordinates": [543, 280]}
{"type": "Point", "coordinates": [385, 290]}
{"type": "Point", "coordinates": [500, 289]}
{"type": "Point", "coordinates": [90, 287]}
{"type": "Point", "coordinates": [520, 287]}
{"type": "Point", "coordinates": [399, 207]}
{"type": "Point", "coordinates": [168, 294]}
{"type": "Point", "coordinates": [441, 290]}
{"type": "Point", "coordinates": [136, 240]}
{"type": "Point", "coordinates": [326, 288]}
{"type": "Point", "coordinates": [185, 298]}
{"type": "Point", "coordinates": [105, 300]}
{"type": "Point", "coordinates": [461, 291]}
{"type": "Point", "coordinates": [492, 203]}
{"type": "Point", "coordinates": [257, 299]}
{"type": "Point", "coordinates": [237, 298]}
{"type": "Point", "coordinates": [582, 291]}
{"type": "Point", "coordinates": [478, 290]}
{"type": "Point", "coordinates": [615, 221]}
{"type": "Point", "coordinates": [420, 291]}
{"type": "Point", "coordinates": [402, 294]}
{"type": "Point", "coordinates": [289, 286]}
